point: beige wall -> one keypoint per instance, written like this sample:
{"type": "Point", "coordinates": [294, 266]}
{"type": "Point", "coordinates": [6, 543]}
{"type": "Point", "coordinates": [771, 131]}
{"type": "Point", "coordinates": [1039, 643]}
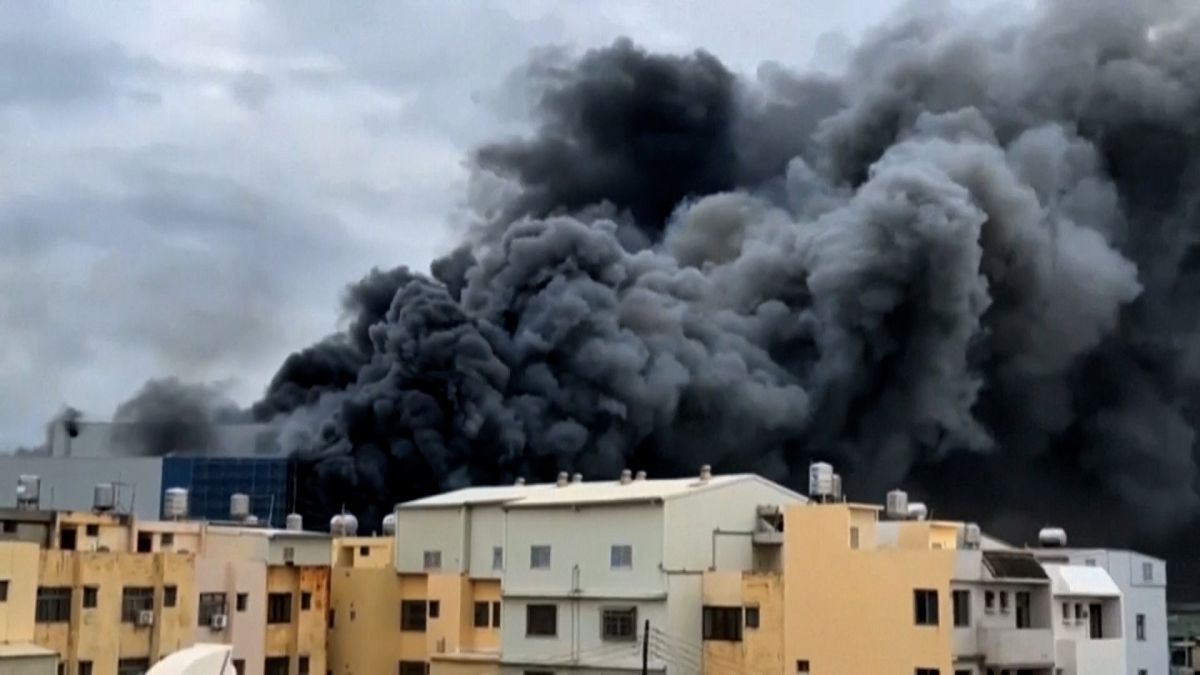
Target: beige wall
{"type": "Point", "coordinates": [363, 552]}
{"type": "Point", "coordinates": [761, 649]}
{"type": "Point", "coordinates": [366, 601]}
{"type": "Point", "coordinates": [838, 600]}
{"type": "Point", "coordinates": [97, 634]}
{"type": "Point", "coordinates": [247, 628]}
{"type": "Point", "coordinates": [305, 635]}
{"type": "Point", "coordinates": [18, 566]}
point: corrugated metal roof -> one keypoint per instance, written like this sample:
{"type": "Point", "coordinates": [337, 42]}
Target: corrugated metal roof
{"type": "Point", "coordinates": [1082, 580]}
{"type": "Point", "coordinates": [1013, 565]}
{"type": "Point", "coordinates": [588, 492]}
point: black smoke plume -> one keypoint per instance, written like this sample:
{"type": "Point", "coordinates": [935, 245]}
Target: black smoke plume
{"type": "Point", "coordinates": [170, 417]}
{"type": "Point", "coordinates": [968, 265]}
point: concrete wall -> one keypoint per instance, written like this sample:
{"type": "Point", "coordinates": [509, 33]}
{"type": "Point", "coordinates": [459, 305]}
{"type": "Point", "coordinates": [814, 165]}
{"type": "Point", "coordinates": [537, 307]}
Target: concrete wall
{"type": "Point", "coordinates": [68, 483]}
{"type": "Point", "coordinates": [19, 567]}
{"type": "Point", "coordinates": [247, 628]}
{"type": "Point", "coordinates": [580, 540]}
{"type": "Point", "coordinates": [305, 634]}
{"type": "Point", "coordinates": [835, 595]}
{"type": "Point", "coordinates": [761, 648]}
{"type": "Point", "coordinates": [486, 532]}
{"type": "Point", "coordinates": [365, 638]}
{"type": "Point", "coordinates": [420, 530]}
{"type": "Point", "coordinates": [691, 522]}
{"type": "Point", "coordinates": [578, 639]}
{"type": "Point", "coordinates": [1140, 596]}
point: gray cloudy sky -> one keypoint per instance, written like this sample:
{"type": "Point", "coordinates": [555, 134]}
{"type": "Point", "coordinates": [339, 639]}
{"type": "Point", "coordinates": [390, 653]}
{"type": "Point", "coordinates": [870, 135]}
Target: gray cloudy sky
{"type": "Point", "coordinates": [185, 188]}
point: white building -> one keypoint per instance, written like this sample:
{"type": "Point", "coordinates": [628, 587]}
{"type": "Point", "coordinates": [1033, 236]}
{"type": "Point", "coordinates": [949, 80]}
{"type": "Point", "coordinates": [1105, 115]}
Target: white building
{"type": "Point", "coordinates": [1142, 581]}
{"type": "Point", "coordinates": [582, 565]}
{"type": "Point", "coordinates": [1087, 619]}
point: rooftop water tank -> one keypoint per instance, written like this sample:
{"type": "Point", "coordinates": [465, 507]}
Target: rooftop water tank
{"type": "Point", "coordinates": [897, 505]}
{"type": "Point", "coordinates": [350, 524]}
{"type": "Point", "coordinates": [239, 506]}
{"type": "Point", "coordinates": [389, 524]}
{"type": "Point", "coordinates": [294, 522]}
{"type": "Point", "coordinates": [1052, 537]}
{"type": "Point", "coordinates": [29, 491]}
{"type": "Point", "coordinates": [104, 497]}
{"type": "Point", "coordinates": [820, 480]}
{"type": "Point", "coordinates": [175, 503]}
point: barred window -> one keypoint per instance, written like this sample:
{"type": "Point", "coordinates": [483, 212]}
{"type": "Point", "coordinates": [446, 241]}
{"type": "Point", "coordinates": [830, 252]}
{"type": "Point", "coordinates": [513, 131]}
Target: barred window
{"type": "Point", "coordinates": [135, 599]}
{"type": "Point", "coordinates": [279, 608]}
{"type": "Point", "coordinates": [619, 624]}
{"type": "Point", "coordinates": [210, 605]}
{"type": "Point", "coordinates": [53, 604]}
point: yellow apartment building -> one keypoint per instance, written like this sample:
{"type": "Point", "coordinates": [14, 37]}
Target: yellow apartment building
{"type": "Point", "coordinates": [18, 596]}
{"type": "Point", "coordinates": [854, 593]}
{"type": "Point", "coordinates": [439, 623]}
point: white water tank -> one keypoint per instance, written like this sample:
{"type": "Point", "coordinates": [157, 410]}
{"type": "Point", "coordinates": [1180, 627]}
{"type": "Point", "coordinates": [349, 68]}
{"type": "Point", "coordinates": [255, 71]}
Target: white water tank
{"type": "Point", "coordinates": [175, 503]}
{"type": "Point", "coordinates": [897, 505]}
{"type": "Point", "coordinates": [972, 536]}
{"type": "Point", "coordinates": [562, 480]}
{"type": "Point", "coordinates": [350, 524]}
{"type": "Point", "coordinates": [337, 526]}
{"type": "Point", "coordinates": [104, 497]}
{"type": "Point", "coordinates": [29, 491]}
{"type": "Point", "coordinates": [389, 524]}
{"type": "Point", "coordinates": [837, 487]}
{"type": "Point", "coordinates": [293, 522]}
{"type": "Point", "coordinates": [820, 480]}
{"type": "Point", "coordinates": [1052, 537]}
{"type": "Point", "coordinates": [239, 506]}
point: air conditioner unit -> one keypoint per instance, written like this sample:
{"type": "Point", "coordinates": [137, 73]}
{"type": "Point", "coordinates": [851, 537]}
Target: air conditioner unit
{"type": "Point", "coordinates": [218, 621]}
{"type": "Point", "coordinates": [145, 618]}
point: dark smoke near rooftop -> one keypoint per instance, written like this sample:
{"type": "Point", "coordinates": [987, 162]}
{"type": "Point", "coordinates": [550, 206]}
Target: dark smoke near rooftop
{"type": "Point", "coordinates": [969, 265]}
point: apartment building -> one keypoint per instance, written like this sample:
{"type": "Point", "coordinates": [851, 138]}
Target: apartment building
{"type": "Point", "coordinates": [113, 594]}
{"type": "Point", "coordinates": [1142, 581]}
{"type": "Point", "coordinates": [563, 577]}
{"type": "Point", "coordinates": [935, 597]}
{"type": "Point", "coordinates": [365, 596]}
{"type": "Point", "coordinates": [19, 655]}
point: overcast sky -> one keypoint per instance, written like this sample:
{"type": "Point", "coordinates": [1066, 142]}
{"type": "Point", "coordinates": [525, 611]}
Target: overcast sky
{"type": "Point", "coordinates": [185, 188]}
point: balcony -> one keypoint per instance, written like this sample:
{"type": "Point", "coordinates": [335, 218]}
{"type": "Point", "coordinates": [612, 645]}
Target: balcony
{"type": "Point", "coordinates": [1017, 647]}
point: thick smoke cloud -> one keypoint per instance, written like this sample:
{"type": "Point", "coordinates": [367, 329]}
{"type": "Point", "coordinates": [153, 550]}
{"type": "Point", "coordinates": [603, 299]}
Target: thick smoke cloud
{"type": "Point", "coordinates": [168, 416]}
{"type": "Point", "coordinates": [969, 265]}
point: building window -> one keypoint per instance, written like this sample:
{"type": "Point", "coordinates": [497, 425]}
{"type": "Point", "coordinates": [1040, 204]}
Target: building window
{"type": "Point", "coordinates": [242, 599]}
{"type": "Point", "coordinates": [962, 608]}
{"type": "Point", "coordinates": [331, 618]}
{"type": "Point", "coordinates": [134, 600]}
{"type": "Point", "coordinates": [302, 665]}
{"type": "Point", "coordinates": [1141, 627]}
{"type": "Point", "coordinates": [989, 601]}
{"type": "Point", "coordinates": [723, 623]}
{"type": "Point", "coordinates": [91, 597]}
{"type": "Point", "coordinates": [170, 596]}
{"type": "Point", "coordinates": [1066, 612]}
{"type": "Point", "coordinates": [133, 666]}
{"type": "Point", "coordinates": [3, 590]}
{"type": "Point", "coordinates": [925, 602]}
{"type": "Point", "coordinates": [305, 601]}
{"type": "Point", "coordinates": [168, 539]}
{"type": "Point", "coordinates": [275, 665]}
{"type": "Point", "coordinates": [497, 557]}
{"type": "Point", "coordinates": [1147, 571]}
{"type": "Point", "coordinates": [66, 539]}
{"type": "Point", "coordinates": [239, 666]}
{"type": "Point", "coordinates": [85, 668]}
{"type": "Point", "coordinates": [620, 556]}
{"type": "Point", "coordinates": [53, 605]}
{"type": "Point", "coordinates": [433, 560]}
{"type": "Point", "coordinates": [145, 542]}
{"type": "Point", "coordinates": [1024, 613]}
{"type": "Point", "coordinates": [210, 605]}
{"type": "Point", "coordinates": [435, 609]}
{"type": "Point", "coordinates": [619, 624]}
{"type": "Point", "coordinates": [412, 615]}
{"type": "Point", "coordinates": [279, 608]}
{"type": "Point", "coordinates": [752, 617]}
{"type": "Point", "coordinates": [539, 557]}
{"type": "Point", "coordinates": [541, 620]}
{"type": "Point", "coordinates": [364, 551]}
{"type": "Point", "coordinates": [93, 530]}
{"type": "Point", "coordinates": [802, 667]}
{"type": "Point", "coordinates": [495, 615]}
{"type": "Point", "coordinates": [854, 537]}
{"type": "Point", "coordinates": [481, 614]}
{"type": "Point", "coordinates": [1004, 602]}
{"type": "Point", "coordinates": [1078, 613]}
{"type": "Point", "coordinates": [413, 668]}
{"type": "Point", "coordinates": [926, 671]}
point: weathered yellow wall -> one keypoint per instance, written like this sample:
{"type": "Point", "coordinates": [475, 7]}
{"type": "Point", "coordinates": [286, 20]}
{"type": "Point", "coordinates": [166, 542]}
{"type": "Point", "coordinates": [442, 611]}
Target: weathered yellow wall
{"type": "Point", "coordinates": [482, 639]}
{"type": "Point", "coordinates": [452, 667]}
{"type": "Point", "coordinates": [761, 649]}
{"type": "Point", "coordinates": [363, 551]}
{"type": "Point", "coordinates": [445, 634]}
{"type": "Point", "coordinates": [97, 634]}
{"type": "Point", "coordinates": [305, 635]}
{"type": "Point", "coordinates": [18, 565]}
{"type": "Point", "coordinates": [835, 597]}
{"type": "Point", "coordinates": [366, 602]}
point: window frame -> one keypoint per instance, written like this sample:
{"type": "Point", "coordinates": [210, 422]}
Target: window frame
{"type": "Point", "coordinates": [414, 616]}
{"type": "Point", "coordinates": [617, 617]}
{"type": "Point", "coordinates": [486, 615]}
{"type": "Point", "coordinates": [722, 623]}
{"type": "Point", "coordinates": [925, 607]}
{"type": "Point", "coordinates": [550, 619]}
{"type": "Point", "coordinates": [961, 611]}
{"type": "Point", "coordinates": [535, 562]}
{"type": "Point", "coordinates": [209, 605]}
{"type": "Point", "coordinates": [279, 608]}
{"type": "Point", "coordinates": [431, 560]}
{"type": "Point", "coordinates": [54, 598]}
{"type": "Point", "coordinates": [620, 557]}
{"type": "Point", "coordinates": [135, 600]}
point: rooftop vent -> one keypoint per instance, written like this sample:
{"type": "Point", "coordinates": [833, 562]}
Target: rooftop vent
{"type": "Point", "coordinates": [626, 476]}
{"type": "Point", "coordinates": [705, 473]}
{"type": "Point", "coordinates": [1052, 537]}
{"type": "Point", "coordinates": [562, 479]}
{"type": "Point", "coordinates": [917, 511]}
